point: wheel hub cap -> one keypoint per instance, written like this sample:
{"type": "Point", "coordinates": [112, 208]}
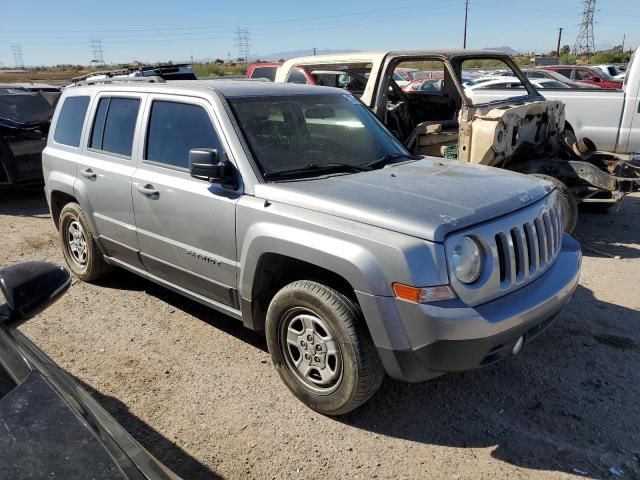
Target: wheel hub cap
{"type": "Point", "coordinates": [77, 243]}
{"type": "Point", "coordinates": [311, 350]}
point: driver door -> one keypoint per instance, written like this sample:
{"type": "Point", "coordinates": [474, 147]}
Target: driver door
{"type": "Point", "coordinates": [186, 226]}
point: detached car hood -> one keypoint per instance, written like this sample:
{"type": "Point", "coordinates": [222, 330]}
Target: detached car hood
{"type": "Point", "coordinates": [426, 199]}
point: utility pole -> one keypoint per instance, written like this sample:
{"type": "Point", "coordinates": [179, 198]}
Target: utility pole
{"type": "Point", "coordinates": [585, 43]}
{"type": "Point", "coordinates": [16, 50]}
{"type": "Point", "coordinates": [314, 50]}
{"type": "Point", "coordinates": [559, 40]}
{"type": "Point", "coordinates": [466, 15]}
{"type": "Point", "coordinates": [624, 37]}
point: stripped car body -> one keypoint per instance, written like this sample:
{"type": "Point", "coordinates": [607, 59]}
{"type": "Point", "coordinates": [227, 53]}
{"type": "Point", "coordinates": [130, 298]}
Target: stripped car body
{"type": "Point", "coordinates": [524, 133]}
{"type": "Point", "coordinates": [24, 125]}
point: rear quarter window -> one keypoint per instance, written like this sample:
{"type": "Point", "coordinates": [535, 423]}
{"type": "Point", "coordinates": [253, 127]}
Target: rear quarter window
{"type": "Point", "coordinates": [70, 121]}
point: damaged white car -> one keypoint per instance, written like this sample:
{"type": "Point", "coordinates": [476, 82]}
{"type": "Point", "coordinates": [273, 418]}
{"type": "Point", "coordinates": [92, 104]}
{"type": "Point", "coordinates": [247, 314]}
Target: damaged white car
{"type": "Point", "coordinates": [525, 133]}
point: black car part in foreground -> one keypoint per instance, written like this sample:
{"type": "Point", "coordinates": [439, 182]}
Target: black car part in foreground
{"type": "Point", "coordinates": [51, 427]}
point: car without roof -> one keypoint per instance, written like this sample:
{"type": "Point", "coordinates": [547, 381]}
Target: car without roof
{"type": "Point", "coordinates": [292, 209]}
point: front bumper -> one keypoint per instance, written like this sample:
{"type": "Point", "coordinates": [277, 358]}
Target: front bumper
{"type": "Point", "coordinates": [419, 342]}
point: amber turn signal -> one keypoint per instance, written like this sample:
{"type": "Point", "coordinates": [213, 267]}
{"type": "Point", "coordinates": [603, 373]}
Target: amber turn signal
{"type": "Point", "coordinates": [423, 294]}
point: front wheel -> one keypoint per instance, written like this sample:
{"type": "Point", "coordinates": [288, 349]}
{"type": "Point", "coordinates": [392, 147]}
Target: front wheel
{"type": "Point", "coordinates": [321, 348]}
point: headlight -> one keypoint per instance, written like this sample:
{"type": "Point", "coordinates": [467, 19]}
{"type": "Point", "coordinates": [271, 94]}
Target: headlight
{"type": "Point", "coordinates": [466, 260]}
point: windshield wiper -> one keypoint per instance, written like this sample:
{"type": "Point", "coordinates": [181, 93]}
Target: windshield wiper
{"type": "Point", "coordinates": [392, 157]}
{"type": "Point", "coordinates": [318, 168]}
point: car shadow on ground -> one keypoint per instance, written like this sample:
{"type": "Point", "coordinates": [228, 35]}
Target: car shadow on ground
{"type": "Point", "coordinates": [26, 202]}
{"type": "Point", "coordinates": [123, 280]}
{"type": "Point", "coordinates": [611, 235]}
{"type": "Point", "coordinates": [167, 452]}
{"type": "Point", "coordinates": [567, 403]}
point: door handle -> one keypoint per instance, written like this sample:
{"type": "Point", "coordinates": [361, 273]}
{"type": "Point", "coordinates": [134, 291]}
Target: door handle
{"type": "Point", "coordinates": [149, 191]}
{"type": "Point", "coordinates": [88, 173]}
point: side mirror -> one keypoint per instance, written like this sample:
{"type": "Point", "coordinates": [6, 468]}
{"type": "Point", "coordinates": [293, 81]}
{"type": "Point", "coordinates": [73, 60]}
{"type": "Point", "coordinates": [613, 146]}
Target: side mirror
{"type": "Point", "coordinates": [596, 79]}
{"type": "Point", "coordinates": [29, 288]}
{"type": "Point", "coordinates": [205, 164]}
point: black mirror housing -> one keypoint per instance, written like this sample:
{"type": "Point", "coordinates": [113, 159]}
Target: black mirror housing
{"type": "Point", "coordinates": [29, 288]}
{"type": "Point", "coordinates": [205, 164]}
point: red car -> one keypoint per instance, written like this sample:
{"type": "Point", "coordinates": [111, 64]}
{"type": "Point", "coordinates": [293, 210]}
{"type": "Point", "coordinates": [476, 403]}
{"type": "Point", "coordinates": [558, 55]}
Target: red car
{"type": "Point", "coordinates": [586, 74]}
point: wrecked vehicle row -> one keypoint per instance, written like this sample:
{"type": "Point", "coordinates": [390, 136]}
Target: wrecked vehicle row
{"type": "Point", "coordinates": [525, 133]}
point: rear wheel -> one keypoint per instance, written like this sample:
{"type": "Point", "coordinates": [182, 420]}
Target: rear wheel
{"type": "Point", "coordinates": [78, 246]}
{"type": "Point", "coordinates": [321, 348]}
{"type": "Point", "coordinates": [567, 201]}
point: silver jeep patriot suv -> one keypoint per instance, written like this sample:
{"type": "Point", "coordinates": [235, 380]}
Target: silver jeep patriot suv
{"type": "Point", "coordinates": [292, 209]}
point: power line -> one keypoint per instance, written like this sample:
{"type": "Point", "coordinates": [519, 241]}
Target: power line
{"type": "Point", "coordinates": [97, 52]}
{"type": "Point", "coordinates": [585, 43]}
{"type": "Point", "coordinates": [242, 42]}
{"type": "Point", "coordinates": [16, 50]}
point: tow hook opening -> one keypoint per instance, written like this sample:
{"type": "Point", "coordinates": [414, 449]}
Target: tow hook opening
{"type": "Point", "coordinates": [517, 348]}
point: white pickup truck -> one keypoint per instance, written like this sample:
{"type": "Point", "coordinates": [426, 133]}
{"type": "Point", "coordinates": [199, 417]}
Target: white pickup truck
{"type": "Point", "coordinates": [609, 118]}
{"type": "Point", "coordinates": [517, 130]}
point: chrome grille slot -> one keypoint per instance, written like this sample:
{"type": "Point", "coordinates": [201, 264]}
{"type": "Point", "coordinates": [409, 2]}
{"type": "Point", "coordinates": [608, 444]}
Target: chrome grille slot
{"type": "Point", "coordinates": [519, 249]}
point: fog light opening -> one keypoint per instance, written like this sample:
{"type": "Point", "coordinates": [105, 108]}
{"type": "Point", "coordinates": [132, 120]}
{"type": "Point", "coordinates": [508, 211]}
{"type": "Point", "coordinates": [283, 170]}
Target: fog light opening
{"type": "Point", "coordinates": [518, 346]}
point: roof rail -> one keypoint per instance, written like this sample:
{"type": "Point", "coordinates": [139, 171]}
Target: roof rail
{"type": "Point", "coordinates": [96, 81]}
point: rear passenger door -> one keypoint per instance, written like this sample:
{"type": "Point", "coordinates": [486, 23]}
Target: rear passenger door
{"type": "Point", "coordinates": [186, 226]}
{"type": "Point", "coordinates": [103, 183]}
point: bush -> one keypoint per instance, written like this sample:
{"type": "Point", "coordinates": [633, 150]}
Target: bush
{"type": "Point", "coordinates": [610, 57]}
{"type": "Point", "coordinates": [567, 59]}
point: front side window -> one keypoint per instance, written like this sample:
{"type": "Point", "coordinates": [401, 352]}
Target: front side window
{"type": "Point", "coordinates": [296, 76]}
{"type": "Point", "coordinates": [311, 132]}
{"type": "Point", "coordinates": [114, 125]}
{"type": "Point", "coordinates": [71, 120]}
{"type": "Point", "coordinates": [174, 129]}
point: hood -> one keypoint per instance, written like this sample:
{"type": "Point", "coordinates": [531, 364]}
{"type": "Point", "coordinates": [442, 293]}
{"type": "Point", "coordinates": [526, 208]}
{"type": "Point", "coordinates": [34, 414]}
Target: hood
{"type": "Point", "coordinates": [22, 109]}
{"type": "Point", "coordinates": [426, 199]}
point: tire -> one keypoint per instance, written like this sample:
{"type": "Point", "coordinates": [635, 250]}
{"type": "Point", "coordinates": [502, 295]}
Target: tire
{"type": "Point", "coordinates": [567, 200]}
{"type": "Point", "coordinates": [309, 317]}
{"type": "Point", "coordinates": [79, 248]}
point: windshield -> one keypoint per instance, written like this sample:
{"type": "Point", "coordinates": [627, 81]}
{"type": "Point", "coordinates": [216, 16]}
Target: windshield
{"type": "Point", "coordinates": [295, 132]}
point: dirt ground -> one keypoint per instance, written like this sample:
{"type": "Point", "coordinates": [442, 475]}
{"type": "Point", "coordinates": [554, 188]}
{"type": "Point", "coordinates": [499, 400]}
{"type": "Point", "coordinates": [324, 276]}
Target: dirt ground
{"type": "Point", "coordinates": [199, 391]}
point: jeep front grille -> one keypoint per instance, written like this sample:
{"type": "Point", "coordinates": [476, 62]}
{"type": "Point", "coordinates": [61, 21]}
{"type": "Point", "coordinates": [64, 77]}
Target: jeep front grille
{"type": "Point", "coordinates": [518, 248]}
{"type": "Point", "coordinates": [527, 249]}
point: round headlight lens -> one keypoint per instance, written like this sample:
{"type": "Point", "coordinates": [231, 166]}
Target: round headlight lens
{"type": "Point", "coordinates": [466, 260]}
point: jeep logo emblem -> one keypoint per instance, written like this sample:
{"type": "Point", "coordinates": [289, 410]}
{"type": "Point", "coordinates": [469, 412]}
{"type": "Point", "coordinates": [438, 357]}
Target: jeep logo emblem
{"type": "Point", "coordinates": [524, 197]}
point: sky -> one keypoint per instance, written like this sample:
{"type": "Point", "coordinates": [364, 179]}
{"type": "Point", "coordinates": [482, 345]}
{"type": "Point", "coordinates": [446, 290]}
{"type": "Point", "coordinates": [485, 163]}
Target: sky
{"type": "Point", "coordinates": [50, 33]}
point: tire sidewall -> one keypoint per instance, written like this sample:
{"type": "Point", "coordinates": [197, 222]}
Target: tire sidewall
{"type": "Point", "coordinates": [72, 212]}
{"type": "Point", "coordinates": [324, 403]}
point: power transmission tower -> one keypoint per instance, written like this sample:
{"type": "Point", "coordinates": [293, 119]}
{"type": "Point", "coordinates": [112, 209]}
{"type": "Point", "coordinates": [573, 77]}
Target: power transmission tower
{"type": "Point", "coordinates": [466, 15]}
{"type": "Point", "coordinates": [97, 53]}
{"type": "Point", "coordinates": [242, 42]}
{"type": "Point", "coordinates": [585, 43]}
{"type": "Point", "coordinates": [16, 50]}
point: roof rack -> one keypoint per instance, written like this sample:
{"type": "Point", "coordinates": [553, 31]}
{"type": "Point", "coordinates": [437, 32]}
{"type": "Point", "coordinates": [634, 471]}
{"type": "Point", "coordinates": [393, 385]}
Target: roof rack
{"type": "Point", "coordinates": [129, 69]}
{"type": "Point", "coordinates": [96, 81]}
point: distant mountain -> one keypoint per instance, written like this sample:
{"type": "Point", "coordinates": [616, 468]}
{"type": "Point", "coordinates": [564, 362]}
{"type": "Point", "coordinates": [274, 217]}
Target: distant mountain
{"type": "Point", "coordinates": [507, 50]}
{"type": "Point", "coordinates": [298, 53]}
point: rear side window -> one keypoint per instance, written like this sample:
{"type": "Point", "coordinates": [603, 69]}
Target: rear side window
{"type": "Point", "coordinates": [114, 125]}
{"type": "Point", "coordinates": [174, 129]}
{"type": "Point", "coordinates": [70, 121]}
{"type": "Point", "coordinates": [264, 72]}
{"type": "Point", "coordinates": [564, 71]}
